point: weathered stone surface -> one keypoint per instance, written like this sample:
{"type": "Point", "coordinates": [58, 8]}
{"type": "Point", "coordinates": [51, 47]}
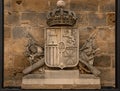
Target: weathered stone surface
{"type": "Point", "coordinates": [102, 61]}
{"type": "Point", "coordinates": [37, 33]}
{"type": "Point", "coordinates": [113, 61]}
{"type": "Point", "coordinates": [107, 77]}
{"type": "Point", "coordinates": [18, 46]}
{"type": "Point", "coordinates": [32, 17]}
{"type": "Point", "coordinates": [97, 19]}
{"type": "Point", "coordinates": [61, 74]}
{"type": "Point", "coordinates": [11, 18]}
{"type": "Point", "coordinates": [103, 34]}
{"type": "Point", "coordinates": [18, 32]}
{"type": "Point", "coordinates": [36, 5]}
{"type": "Point", "coordinates": [82, 19]}
{"type": "Point", "coordinates": [17, 5]}
{"type": "Point", "coordinates": [7, 31]}
{"type": "Point", "coordinates": [108, 74]}
{"type": "Point", "coordinates": [12, 77]}
{"type": "Point", "coordinates": [7, 5]}
{"type": "Point", "coordinates": [110, 18]}
{"type": "Point", "coordinates": [111, 48]}
{"type": "Point", "coordinates": [85, 5]}
{"type": "Point", "coordinates": [11, 83]}
{"type": "Point", "coordinates": [107, 5]}
{"type": "Point", "coordinates": [106, 33]}
{"type": "Point", "coordinates": [8, 73]}
{"type": "Point", "coordinates": [20, 62]}
{"type": "Point", "coordinates": [8, 60]}
{"type": "Point", "coordinates": [106, 40]}
{"type": "Point", "coordinates": [103, 46]}
{"type": "Point", "coordinates": [42, 19]}
{"type": "Point", "coordinates": [8, 55]}
{"type": "Point", "coordinates": [30, 5]}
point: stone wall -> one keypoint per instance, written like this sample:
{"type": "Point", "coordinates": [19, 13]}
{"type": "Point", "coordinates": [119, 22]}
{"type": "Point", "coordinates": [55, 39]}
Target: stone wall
{"type": "Point", "coordinates": [21, 16]}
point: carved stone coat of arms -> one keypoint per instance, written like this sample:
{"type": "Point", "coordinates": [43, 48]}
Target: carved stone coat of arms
{"type": "Point", "coordinates": [62, 48]}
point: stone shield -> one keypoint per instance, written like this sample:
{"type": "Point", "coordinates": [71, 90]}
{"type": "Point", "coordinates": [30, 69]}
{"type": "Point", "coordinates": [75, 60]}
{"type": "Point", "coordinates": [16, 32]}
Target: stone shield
{"type": "Point", "coordinates": [61, 47]}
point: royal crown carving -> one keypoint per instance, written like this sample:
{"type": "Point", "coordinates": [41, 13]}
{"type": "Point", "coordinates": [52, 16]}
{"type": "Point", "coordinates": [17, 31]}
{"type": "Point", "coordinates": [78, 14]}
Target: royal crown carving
{"type": "Point", "coordinates": [61, 16]}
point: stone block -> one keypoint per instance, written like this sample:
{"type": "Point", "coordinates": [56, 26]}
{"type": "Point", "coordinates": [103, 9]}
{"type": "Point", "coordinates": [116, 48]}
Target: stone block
{"type": "Point", "coordinates": [8, 73]}
{"type": "Point", "coordinates": [110, 19]}
{"type": "Point", "coordinates": [36, 5]}
{"type": "Point", "coordinates": [7, 46]}
{"type": "Point", "coordinates": [12, 83]}
{"type": "Point", "coordinates": [102, 61]}
{"type": "Point", "coordinates": [29, 5]}
{"type": "Point", "coordinates": [20, 62]}
{"type": "Point", "coordinates": [8, 55]}
{"type": "Point", "coordinates": [106, 34]}
{"type": "Point", "coordinates": [106, 40]}
{"type": "Point", "coordinates": [18, 32]}
{"type": "Point", "coordinates": [8, 60]}
{"type": "Point", "coordinates": [111, 48]}
{"type": "Point", "coordinates": [7, 5]}
{"type": "Point", "coordinates": [18, 46]}
{"type": "Point", "coordinates": [107, 77]}
{"type": "Point", "coordinates": [61, 74]}
{"type": "Point", "coordinates": [107, 5]}
{"type": "Point", "coordinates": [11, 18]}
{"type": "Point", "coordinates": [82, 19]}
{"type": "Point", "coordinates": [103, 45]}
{"type": "Point", "coordinates": [111, 38]}
{"type": "Point", "coordinates": [7, 31]}
{"type": "Point", "coordinates": [12, 77]}
{"type": "Point", "coordinates": [7, 83]}
{"type": "Point", "coordinates": [86, 5]}
{"type": "Point", "coordinates": [96, 19]}
{"type": "Point", "coordinates": [32, 17]}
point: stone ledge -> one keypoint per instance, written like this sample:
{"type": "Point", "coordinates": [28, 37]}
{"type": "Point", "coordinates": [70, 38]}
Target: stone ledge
{"type": "Point", "coordinates": [57, 81]}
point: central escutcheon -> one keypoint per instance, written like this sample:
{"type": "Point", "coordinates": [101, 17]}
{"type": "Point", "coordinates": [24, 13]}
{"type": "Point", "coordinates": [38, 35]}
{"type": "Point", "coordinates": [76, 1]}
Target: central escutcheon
{"type": "Point", "coordinates": [61, 47]}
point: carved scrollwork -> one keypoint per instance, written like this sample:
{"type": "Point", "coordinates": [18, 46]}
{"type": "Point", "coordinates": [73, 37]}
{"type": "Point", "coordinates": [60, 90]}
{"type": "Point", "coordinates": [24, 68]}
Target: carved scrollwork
{"type": "Point", "coordinates": [34, 52]}
{"type": "Point", "coordinates": [87, 54]}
